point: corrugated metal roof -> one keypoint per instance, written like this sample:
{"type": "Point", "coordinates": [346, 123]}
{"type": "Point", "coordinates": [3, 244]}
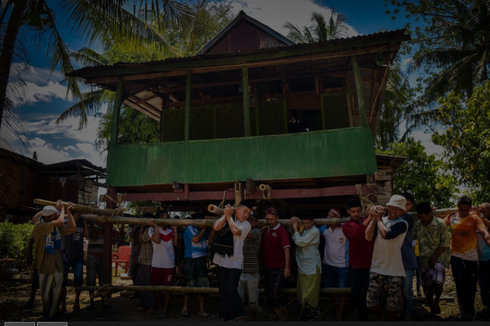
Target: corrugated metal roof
{"type": "Point", "coordinates": [341, 42]}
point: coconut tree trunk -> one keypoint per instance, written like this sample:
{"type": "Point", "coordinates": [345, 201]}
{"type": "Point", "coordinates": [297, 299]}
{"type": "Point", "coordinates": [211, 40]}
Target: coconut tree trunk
{"type": "Point", "coordinates": [14, 23]}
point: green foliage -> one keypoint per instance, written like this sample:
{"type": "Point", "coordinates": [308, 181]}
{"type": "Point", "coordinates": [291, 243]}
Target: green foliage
{"type": "Point", "coordinates": [14, 239]}
{"type": "Point", "coordinates": [466, 138]}
{"type": "Point", "coordinates": [320, 30]}
{"type": "Point", "coordinates": [450, 41]}
{"type": "Point", "coordinates": [426, 177]}
{"type": "Point", "coordinates": [134, 128]}
{"type": "Point", "coordinates": [210, 17]}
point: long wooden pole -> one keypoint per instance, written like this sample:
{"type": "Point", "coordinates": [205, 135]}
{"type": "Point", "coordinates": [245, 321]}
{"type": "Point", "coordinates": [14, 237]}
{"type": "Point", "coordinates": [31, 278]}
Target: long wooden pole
{"type": "Point", "coordinates": [80, 208]}
{"type": "Point", "coordinates": [186, 289]}
{"type": "Point", "coordinates": [187, 222]}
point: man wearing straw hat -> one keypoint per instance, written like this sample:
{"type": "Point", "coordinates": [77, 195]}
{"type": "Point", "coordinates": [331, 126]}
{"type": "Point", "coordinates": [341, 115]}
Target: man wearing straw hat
{"type": "Point", "coordinates": [388, 234]}
{"type": "Point", "coordinates": [47, 260]}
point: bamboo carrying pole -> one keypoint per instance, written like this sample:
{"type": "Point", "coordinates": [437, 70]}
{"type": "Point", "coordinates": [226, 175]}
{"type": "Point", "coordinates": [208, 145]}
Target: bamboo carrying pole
{"type": "Point", "coordinates": [119, 288]}
{"type": "Point", "coordinates": [215, 210]}
{"type": "Point", "coordinates": [187, 222]}
{"type": "Point", "coordinates": [264, 187]}
{"type": "Point", "coordinates": [80, 208]}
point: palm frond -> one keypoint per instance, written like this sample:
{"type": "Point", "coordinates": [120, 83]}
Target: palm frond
{"type": "Point", "coordinates": [89, 57]}
{"type": "Point", "coordinates": [91, 102]}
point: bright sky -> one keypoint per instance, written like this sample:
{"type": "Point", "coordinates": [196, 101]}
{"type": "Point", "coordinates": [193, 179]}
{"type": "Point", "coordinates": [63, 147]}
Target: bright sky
{"type": "Point", "coordinates": [45, 98]}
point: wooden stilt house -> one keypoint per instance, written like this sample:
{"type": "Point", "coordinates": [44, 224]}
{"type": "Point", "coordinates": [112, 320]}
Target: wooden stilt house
{"type": "Point", "coordinates": [251, 108]}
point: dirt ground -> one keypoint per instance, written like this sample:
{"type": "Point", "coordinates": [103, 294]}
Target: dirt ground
{"type": "Point", "coordinates": [13, 296]}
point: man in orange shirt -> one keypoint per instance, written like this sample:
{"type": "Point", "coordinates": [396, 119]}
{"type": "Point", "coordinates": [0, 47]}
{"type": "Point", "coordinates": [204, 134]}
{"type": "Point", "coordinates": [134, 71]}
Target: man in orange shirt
{"type": "Point", "coordinates": [464, 254]}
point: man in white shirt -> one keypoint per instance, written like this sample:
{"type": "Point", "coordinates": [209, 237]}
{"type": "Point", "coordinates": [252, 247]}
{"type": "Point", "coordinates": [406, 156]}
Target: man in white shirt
{"type": "Point", "coordinates": [387, 268]}
{"type": "Point", "coordinates": [163, 240]}
{"type": "Point", "coordinates": [232, 229]}
{"type": "Point", "coordinates": [336, 261]}
{"type": "Point", "coordinates": [309, 264]}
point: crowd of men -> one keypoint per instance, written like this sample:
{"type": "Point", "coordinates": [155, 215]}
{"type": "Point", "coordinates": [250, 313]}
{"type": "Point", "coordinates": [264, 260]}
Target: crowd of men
{"type": "Point", "coordinates": [374, 249]}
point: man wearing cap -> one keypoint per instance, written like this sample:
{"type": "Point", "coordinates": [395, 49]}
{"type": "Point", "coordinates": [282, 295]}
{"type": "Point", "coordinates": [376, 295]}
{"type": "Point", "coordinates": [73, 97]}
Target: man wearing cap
{"type": "Point", "coordinates": [47, 259]}
{"type": "Point", "coordinates": [433, 237]}
{"type": "Point", "coordinates": [276, 248]}
{"type": "Point", "coordinates": [195, 256]}
{"type": "Point", "coordinates": [388, 234]}
{"type": "Point", "coordinates": [232, 229]}
{"type": "Point", "coordinates": [250, 277]}
{"type": "Point", "coordinates": [360, 254]}
{"type": "Point", "coordinates": [335, 261]}
{"type": "Point", "coordinates": [309, 264]}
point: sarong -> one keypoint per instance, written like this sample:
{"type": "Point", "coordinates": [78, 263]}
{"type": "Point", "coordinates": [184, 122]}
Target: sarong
{"type": "Point", "coordinates": [143, 277]}
{"type": "Point", "coordinates": [436, 274]}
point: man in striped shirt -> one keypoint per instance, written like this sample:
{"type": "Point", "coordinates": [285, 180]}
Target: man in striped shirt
{"type": "Point", "coordinates": [250, 276]}
{"type": "Point", "coordinates": [143, 277]}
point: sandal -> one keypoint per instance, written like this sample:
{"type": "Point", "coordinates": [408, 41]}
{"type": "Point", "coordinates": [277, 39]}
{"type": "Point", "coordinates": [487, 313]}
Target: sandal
{"type": "Point", "coordinates": [142, 309]}
{"type": "Point", "coordinates": [150, 311]}
{"type": "Point", "coordinates": [184, 312]}
{"type": "Point", "coordinates": [204, 313]}
{"type": "Point", "coordinates": [162, 315]}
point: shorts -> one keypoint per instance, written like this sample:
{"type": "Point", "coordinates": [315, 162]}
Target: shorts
{"type": "Point", "coordinates": [162, 276]}
{"type": "Point", "coordinates": [336, 277]}
{"type": "Point", "coordinates": [77, 267]}
{"type": "Point", "coordinates": [376, 284]}
{"type": "Point", "coordinates": [196, 272]}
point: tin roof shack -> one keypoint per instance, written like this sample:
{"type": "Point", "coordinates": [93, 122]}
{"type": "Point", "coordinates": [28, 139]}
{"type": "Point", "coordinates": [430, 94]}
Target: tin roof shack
{"type": "Point", "coordinates": [76, 181]}
{"type": "Point", "coordinates": [252, 108]}
{"type": "Point", "coordinates": [17, 173]}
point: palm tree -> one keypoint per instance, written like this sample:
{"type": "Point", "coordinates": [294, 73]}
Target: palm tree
{"type": "Point", "coordinates": [208, 20]}
{"type": "Point", "coordinates": [99, 22]}
{"type": "Point", "coordinates": [454, 48]}
{"type": "Point", "coordinates": [320, 30]}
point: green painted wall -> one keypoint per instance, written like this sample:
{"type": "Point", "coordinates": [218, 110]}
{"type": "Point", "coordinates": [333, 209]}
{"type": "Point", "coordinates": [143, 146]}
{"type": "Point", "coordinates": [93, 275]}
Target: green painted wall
{"type": "Point", "coordinates": [337, 152]}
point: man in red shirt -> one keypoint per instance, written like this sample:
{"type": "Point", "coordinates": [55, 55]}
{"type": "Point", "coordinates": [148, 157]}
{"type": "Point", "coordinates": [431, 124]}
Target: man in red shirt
{"type": "Point", "coordinates": [277, 264]}
{"type": "Point", "coordinates": [360, 254]}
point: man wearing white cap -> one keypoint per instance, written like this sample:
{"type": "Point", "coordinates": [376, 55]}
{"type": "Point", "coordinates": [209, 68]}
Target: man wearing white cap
{"type": "Point", "coordinates": [47, 260]}
{"type": "Point", "coordinates": [387, 268]}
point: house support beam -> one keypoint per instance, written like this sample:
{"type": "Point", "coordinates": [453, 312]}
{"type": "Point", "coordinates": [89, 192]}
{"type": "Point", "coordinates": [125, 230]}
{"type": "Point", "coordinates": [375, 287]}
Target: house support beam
{"type": "Point", "coordinates": [188, 106]}
{"type": "Point", "coordinates": [246, 103]}
{"type": "Point", "coordinates": [230, 195]}
{"type": "Point", "coordinates": [117, 110]}
{"type": "Point", "coordinates": [359, 92]}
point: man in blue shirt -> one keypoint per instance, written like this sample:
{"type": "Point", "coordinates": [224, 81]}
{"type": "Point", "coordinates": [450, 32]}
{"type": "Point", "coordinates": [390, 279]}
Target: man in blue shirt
{"type": "Point", "coordinates": [409, 260]}
{"type": "Point", "coordinates": [195, 262]}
